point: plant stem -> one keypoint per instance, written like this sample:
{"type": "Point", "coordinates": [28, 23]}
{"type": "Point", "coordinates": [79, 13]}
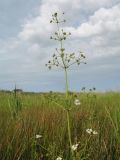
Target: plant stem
{"type": "Point", "coordinates": [69, 132]}
{"type": "Point", "coordinates": [66, 82]}
{"type": "Point", "coordinates": [63, 61]}
{"type": "Point", "coordinates": [66, 89]}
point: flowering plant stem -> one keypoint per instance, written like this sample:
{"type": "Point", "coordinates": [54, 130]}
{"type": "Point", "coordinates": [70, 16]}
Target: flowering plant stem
{"type": "Point", "coordinates": [66, 81]}
{"type": "Point", "coordinates": [69, 132]}
{"type": "Point", "coordinates": [66, 87]}
{"type": "Point", "coordinates": [68, 112]}
{"type": "Point", "coordinates": [64, 60]}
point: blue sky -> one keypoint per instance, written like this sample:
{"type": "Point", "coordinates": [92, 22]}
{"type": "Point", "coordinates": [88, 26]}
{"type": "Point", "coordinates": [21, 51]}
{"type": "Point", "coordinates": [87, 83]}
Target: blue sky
{"type": "Point", "coordinates": [25, 46]}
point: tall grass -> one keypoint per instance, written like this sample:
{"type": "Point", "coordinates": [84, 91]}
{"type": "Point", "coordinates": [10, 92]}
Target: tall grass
{"type": "Point", "coordinates": [40, 115]}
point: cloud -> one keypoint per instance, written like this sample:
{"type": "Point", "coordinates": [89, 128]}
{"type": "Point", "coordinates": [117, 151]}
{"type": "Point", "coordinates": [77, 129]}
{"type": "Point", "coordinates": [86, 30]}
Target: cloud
{"type": "Point", "coordinates": [38, 29]}
{"type": "Point", "coordinates": [95, 27]}
{"type": "Point", "coordinates": [102, 22]}
{"type": "Point", "coordinates": [99, 30]}
{"type": "Point", "coordinates": [100, 34]}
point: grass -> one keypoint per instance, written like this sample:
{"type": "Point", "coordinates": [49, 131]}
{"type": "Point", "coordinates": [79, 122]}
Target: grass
{"type": "Point", "coordinates": [42, 115]}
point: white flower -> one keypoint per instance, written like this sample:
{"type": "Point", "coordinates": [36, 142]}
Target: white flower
{"type": "Point", "coordinates": [59, 158]}
{"type": "Point", "coordinates": [77, 102]}
{"type": "Point", "coordinates": [74, 147]}
{"type": "Point", "coordinates": [90, 131]}
{"type": "Point", "coordinates": [95, 132]}
{"type": "Point", "coordinates": [38, 136]}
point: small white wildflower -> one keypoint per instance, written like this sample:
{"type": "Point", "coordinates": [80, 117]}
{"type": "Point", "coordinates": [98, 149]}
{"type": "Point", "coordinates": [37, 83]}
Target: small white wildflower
{"type": "Point", "coordinates": [77, 102]}
{"type": "Point", "coordinates": [38, 136]}
{"type": "Point", "coordinates": [59, 158]}
{"type": "Point", "coordinates": [90, 131]}
{"type": "Point", "coordinates": [95, 132]}
{"type": "Point", "coordinates": [74, 147]}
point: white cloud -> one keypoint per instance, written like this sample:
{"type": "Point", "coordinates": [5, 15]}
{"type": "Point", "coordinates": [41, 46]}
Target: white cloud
{"type": "Point", "coordinates": [38, 29]}
{"type": "Point", "coordinates": [94, 24]}
{"type": "Point", "coordinates": [103, 21]}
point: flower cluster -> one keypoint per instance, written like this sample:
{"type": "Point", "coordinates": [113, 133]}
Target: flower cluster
{"type": "Point", "coordinates": [60, 34]}
{"type": "Point", "coordinates": [38, 136]}
{"type": "Point", "coordinates": [75, 146]}
{"type": "Point", "coordinates": [77, 102]}
{"type": "Point", "coordinates": [59, 158]}
{"type": "Point", "coordinates": [60, 58]}
{"type": "Point", "coordinates": [91, 132]}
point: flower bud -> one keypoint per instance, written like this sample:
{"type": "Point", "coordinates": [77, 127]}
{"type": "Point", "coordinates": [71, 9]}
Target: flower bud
{"type": "Point", "coordinates": [55, 14]}
{"type": "Point", "coordinates": [62, 49]}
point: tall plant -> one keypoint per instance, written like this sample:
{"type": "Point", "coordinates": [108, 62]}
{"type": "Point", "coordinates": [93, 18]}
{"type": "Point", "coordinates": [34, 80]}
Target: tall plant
{"type": "Point", "coordinates": [64, 60]}
{"type": "Point", "coordinates": [61, 58]}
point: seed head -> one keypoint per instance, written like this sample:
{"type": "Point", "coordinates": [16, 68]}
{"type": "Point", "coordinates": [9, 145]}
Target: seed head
{"type": "Point", "coordinates": [55, 14]}
{"type": "Point", "coordinates": [62, 49]}
{"type": "Point", "coordinates": [64, 33]}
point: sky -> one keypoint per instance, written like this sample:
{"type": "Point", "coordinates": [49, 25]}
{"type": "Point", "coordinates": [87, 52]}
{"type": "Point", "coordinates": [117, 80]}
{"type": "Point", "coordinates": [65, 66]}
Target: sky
{"type": "Point", "coordinates": [25, 45]}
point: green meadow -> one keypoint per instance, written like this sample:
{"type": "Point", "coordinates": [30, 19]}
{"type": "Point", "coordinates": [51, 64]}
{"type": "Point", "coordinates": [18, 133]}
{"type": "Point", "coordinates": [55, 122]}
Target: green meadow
{"type": "Point", "coordinates": [33, 126]}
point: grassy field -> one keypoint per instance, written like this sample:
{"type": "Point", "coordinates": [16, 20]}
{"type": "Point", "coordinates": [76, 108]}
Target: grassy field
{"type": "Point", "coordinates": [31, 114]}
